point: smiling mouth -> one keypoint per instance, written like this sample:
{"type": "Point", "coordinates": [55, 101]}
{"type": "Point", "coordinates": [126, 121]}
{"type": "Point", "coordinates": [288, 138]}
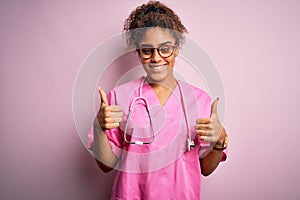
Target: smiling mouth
{"type": "Point", "coordinates": [157, 68]}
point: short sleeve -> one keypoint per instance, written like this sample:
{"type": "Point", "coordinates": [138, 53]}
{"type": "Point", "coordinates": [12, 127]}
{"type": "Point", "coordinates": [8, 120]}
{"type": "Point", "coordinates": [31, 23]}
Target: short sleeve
{"type": "Point", "coordinates": [91, 138]}
{"type": "Point", "coordinates": [204, 108]}
{"type": "Point", "coordinates": [113, 135]}
{"type": "Point", "coordinates": [205, 147]}
{"type": "Point", "coordinates": [224, 154]}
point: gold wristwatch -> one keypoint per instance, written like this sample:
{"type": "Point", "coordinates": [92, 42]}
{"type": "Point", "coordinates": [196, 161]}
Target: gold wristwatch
{"type": "Point", "coordinates": [222, 142]}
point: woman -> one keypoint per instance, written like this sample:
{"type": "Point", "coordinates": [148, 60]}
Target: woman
{"type": "Point", "coordinates": [160, 153]}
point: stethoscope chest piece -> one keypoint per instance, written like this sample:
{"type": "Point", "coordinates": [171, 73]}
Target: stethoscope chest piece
{"type": "Point", "coordinates": [190, 144]}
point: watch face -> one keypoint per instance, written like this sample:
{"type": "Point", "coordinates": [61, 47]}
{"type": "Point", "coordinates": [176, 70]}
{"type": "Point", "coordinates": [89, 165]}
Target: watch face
{"type": "Point", "coordinates": [222, 144]}
{"type": "Point", "coordinates": [225, 142]}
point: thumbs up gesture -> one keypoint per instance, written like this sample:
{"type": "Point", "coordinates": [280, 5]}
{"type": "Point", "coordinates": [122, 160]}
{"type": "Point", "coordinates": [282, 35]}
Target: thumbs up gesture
{"type": "Point", "coordinates": [108, 116]}
{"type": "Point", "coordinates": [209, 129]}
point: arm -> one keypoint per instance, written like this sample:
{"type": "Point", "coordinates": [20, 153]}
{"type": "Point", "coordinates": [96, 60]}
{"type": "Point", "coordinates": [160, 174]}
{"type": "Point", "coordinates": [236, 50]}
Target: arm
{"type": "Point", "coordinates": [108, 117]}
{"type": "Point", "coordinates": [211, 161]}
{"type": "Point", "coordinates": [105, 158]}
{"type": "Point", "coordinates": [211, 130]}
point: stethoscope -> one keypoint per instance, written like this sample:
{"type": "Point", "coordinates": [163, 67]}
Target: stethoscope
{"type": "Point", "coordinates": [146, 103]}
{"type": "Point", "coordinates": [190, 142]}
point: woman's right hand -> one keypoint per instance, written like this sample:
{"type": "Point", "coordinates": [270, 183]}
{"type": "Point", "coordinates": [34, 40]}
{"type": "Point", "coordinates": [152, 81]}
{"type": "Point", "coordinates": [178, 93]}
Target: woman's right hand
{"type": "Point", "coordinates": [108, 116]}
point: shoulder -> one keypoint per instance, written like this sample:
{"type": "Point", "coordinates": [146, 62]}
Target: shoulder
{"type": "Point", "coordinates": [128, 86]}
{"type": "Point", "coordinates": [199, 93]}
{"type": "Point", "coordinates": [124, 91]}
{"type": "Point", "coordinates": [196, 96]}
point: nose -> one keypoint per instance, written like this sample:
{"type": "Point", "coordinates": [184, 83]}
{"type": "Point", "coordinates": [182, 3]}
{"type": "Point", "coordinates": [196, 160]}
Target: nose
{"type": "Point", "coordinates": [156, 57]}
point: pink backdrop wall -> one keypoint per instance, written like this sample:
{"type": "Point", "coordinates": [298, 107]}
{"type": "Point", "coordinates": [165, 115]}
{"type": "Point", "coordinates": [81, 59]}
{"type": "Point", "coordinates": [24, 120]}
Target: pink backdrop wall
{"type": "Point", "coordinates": [254, 44]}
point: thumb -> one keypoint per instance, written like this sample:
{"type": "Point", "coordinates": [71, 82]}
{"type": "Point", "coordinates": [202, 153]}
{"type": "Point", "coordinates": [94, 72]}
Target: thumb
{"type": "Point", "coordinates": [214, 106]}
{"type": "Point", "coordinates": [102, 96]}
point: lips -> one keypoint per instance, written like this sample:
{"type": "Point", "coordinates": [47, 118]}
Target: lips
{"type": "Point", "coordinates": [157, 68]}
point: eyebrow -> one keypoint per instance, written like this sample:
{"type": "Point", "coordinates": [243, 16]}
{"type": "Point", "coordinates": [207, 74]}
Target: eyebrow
{"type": "Point", "coordinates": [150, 45]}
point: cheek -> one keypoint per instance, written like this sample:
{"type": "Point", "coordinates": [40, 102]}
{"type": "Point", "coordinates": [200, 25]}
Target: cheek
{"type": "Point", "coordinates": [145, 68]}
{"type": "Point", "coordinates": [144, 62]}
{"type": "Point", "coordinates": [171, 62]}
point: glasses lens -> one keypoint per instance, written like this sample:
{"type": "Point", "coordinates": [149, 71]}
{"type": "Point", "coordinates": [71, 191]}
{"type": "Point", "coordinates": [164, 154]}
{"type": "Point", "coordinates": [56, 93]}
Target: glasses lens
{"type": "Point", "coordinates": [146, 53]}
{"type": "Point", "coordinates": [166, 51]}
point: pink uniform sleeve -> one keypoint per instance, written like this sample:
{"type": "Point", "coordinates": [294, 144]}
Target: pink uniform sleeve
{"type": "Point", "coordinates": [224, 155]}
{"type": "Point", "coordinates": [204, 104]}
{"type": "Point", "coordinates": [113, 135]}
{"type": "Point", "coordinates": [90, 138]}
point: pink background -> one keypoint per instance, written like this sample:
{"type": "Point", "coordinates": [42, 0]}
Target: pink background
{"type": "Point", "coordinates": [254, 44]}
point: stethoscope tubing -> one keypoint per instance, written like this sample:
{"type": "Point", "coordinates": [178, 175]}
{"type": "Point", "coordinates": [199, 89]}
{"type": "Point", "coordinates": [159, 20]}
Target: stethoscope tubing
{"type": "Point", "coordinates": [140, 97]}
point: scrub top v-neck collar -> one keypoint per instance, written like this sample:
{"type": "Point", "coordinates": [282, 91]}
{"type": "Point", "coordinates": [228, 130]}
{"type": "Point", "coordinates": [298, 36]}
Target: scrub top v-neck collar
{"type": "Point", "coordinates": [156, 98]}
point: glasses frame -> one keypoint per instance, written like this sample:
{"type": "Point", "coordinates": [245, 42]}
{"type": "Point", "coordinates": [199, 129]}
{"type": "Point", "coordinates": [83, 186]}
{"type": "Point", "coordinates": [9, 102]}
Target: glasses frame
{"type": "Point", "coordinates": [152, 49]}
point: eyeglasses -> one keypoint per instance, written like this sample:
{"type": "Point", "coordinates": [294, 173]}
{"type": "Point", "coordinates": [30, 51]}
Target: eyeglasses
{"type": "Point", "coordinates": [164, 51]}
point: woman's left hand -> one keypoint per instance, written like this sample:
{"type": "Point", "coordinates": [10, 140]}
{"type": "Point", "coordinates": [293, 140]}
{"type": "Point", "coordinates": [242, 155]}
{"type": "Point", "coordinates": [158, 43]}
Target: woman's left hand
{"type": "Point", "coordinates": [209, 129]}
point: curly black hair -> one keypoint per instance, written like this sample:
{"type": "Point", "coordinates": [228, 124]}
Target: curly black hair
{"type": "Point", "coordinates": [152, 14]}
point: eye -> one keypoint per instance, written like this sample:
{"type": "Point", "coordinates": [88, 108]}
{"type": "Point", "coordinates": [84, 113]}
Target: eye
{"type": "Point", "coordinates": [165, 49]}
{"type": "Point", "coordinates": [146, 51]}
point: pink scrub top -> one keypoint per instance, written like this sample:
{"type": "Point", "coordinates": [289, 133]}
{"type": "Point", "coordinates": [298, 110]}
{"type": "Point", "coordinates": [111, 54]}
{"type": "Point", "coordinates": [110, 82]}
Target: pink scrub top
{"type": "Point", "coordinates": [163, 169]}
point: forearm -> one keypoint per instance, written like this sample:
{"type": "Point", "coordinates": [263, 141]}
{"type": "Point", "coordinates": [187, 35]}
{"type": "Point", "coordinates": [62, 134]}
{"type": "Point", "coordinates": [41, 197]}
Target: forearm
{"type": "Point", "coordinates": [210, 162]}
{"type": "Point", "coordinates": [102, 150]}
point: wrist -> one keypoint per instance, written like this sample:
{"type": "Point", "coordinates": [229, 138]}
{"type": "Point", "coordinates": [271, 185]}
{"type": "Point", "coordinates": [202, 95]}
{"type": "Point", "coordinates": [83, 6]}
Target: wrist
{"type": "Point", "coordinates": [97, 128]}
{"type": "Point", "coordinates": [222, 143]}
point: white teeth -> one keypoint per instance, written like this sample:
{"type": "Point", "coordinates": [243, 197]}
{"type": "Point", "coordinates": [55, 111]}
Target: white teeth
{"type": "Point", "coordinates": [157, 68]}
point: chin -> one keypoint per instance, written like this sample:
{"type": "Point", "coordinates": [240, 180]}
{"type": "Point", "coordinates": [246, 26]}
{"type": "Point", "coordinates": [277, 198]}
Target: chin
{"type": "Point", "coordinates": [157, 78]}
{"type": "Point", "coordinates": [154, 78]}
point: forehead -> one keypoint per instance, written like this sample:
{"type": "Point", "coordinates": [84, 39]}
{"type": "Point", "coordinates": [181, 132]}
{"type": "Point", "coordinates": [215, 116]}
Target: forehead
{"type": "Point", "coordinates": [156, 36]}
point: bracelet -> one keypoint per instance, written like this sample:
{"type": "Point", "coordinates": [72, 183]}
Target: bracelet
{"type": "Point", "coordinates": [221, 145]}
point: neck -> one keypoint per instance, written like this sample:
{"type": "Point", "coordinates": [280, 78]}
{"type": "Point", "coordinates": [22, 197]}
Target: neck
{"type": "Point", "coordinates": [163, 89]}
{"type": "Point", "coordinates": [169, 84]}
